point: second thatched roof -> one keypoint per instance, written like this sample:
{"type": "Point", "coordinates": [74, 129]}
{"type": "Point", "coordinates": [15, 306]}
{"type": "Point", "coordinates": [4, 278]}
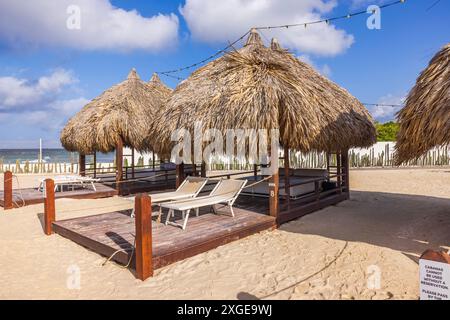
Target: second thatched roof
{"type": "Point", "coordinates": [123, 112]}
{"type": "Point", "coordinates": [266, 88]}
{"type": "Point", "coordinates": [425, 119]}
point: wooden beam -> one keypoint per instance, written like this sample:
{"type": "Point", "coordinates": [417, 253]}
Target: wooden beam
{"type": "Point", "coordinates": [132, 163]}
{"type": "Point", "coordinates": [203, 169]}
{"type": "Point", "coordinates": [273, 195]}
{"type": "Point", "coordinates": [95, 164]}
{"type": "Point", "coordinates": [153, 159]}
{"type": "Point", "coordinates": [82, 165]}
{"type": "Point", "coordinates": [179, 171]}
{"type": "Point", "coordinates": [119, 165]}
{"type": "Point", "coordinates": [287, 184]}
{"type": "Point", "coordinates": [143, 250]}
{"type": "Point", "coordinates": [339, 170]}
{"type": "Point", "coordinates": [346, 171]}
{"type": "Point", "coordinates": [7, 190]}
{"type": "Point", "coordinates": [49, 206]}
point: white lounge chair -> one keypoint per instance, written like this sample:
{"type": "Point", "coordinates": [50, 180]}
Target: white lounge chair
{"type": "Point", "coordinates": [225, 192]}
{"type": "Point", "coordinates": [69, 180]}
{"type": "Point", "coordinates": [189, 188]}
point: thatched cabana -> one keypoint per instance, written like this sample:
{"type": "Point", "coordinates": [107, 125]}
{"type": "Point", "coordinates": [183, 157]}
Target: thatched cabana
{"type": "Point", "coordinates": [119, 117]}
{"type": "Point", "coordinates": [425, 119]}
{"type": "Point", "coordinates": [258, 87]}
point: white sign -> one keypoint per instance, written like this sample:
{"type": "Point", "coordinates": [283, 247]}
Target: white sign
{"type": "Point", "coordinates": [434, 280]}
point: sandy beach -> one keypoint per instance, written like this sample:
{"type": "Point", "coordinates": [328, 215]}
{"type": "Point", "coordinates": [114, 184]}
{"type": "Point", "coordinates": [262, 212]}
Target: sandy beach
{"type": "Point", "coordinates": [337, 253]}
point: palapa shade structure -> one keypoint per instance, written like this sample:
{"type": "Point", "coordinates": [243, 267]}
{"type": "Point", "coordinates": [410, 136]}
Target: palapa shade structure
{"type": "Point", "coordinates": [120, 115]}
{"type": "Point", "coordinates": [266, 88]}
{"type": "Point", "coordinates": [425, 119]}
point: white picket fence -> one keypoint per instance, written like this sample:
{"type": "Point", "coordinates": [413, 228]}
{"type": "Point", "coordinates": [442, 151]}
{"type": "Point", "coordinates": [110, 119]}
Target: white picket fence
{"type": "Point", "coordinates": [380, 154]}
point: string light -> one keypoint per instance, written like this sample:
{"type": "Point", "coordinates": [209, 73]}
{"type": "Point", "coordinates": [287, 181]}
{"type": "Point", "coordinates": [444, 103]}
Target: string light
{"type": "Point", "coordinates": [285, 26]}
{"type": "Point", "coordinates": [383, 105]}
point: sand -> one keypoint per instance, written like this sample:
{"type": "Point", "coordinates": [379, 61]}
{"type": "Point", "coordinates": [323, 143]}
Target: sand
{"type": "Point", "coordinates": [364, 248]}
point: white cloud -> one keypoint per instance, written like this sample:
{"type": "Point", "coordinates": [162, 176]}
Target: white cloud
{"type": "Point", "coordinates": [385, 111]}
{"type": "Point", "coordinates": [51, 117]}
{"type": "Point", "coordinates": [55, 115]}
{"type": "Point", "coordinates": [363, 4]}
{"type": "Point", "coordinates": [19, 94]}
{"type": "Point", "coordinates": [221, 21]}
{"type": "Point", "coordinates": [39, 105]}
{"type": "Point", "coordinates": [103, 26]}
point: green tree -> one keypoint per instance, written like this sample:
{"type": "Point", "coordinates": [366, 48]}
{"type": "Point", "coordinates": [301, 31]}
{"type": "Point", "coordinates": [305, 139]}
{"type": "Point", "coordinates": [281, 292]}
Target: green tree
{"type": "Point", "coordinates": [387, 131]}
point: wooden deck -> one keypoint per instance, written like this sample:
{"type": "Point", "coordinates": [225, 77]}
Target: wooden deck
{"type": "Point", "coordinates": [29, 196]}
{"type": "Point", "coordinates": [107, 233]}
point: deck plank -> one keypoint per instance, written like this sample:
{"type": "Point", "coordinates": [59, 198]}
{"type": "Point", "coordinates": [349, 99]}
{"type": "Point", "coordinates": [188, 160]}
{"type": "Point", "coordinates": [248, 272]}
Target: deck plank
{"type": "Point", "coordinates": [29, 196]}
{"type": "Point", "coordinates": [107, 233]}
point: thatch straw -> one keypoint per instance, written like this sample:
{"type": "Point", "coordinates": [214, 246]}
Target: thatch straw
{"type": "Point", "coordinates": [425, 119]}
{"type": "Point", "coordinates": [123, 112]}
{"type": "Point", "coordinates": [266, 88]}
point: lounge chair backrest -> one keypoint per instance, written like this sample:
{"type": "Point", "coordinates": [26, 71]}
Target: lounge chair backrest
{"type": "Point", "coordinates": [228, 187]}
{"type": "Point", "coordinates": [192, 185]}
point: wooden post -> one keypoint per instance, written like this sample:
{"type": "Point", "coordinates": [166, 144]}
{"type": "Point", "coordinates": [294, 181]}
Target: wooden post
{"type": "Point", "coordinates": [82, 165]}
{"type": "Point", "coordinates": [287, 185]}
{"type": "Point", "coordinates": [255, 170]}
{"type": "Point", "coordinates": [153, 159]}
{"type": "Point", "coordinates": [119, 165]}
{"type": "Point", "coordinates": [203, 169]}
{"type": "Point", "coordinates": [95, 164]}
{"type": "Point", "coordinates": [7, 190]}
{"type": "Point", "coordinates": [49, 206]}
{"type": "Point", "coordinates": [346, 170]}
{"type": "Point", "coordinates": [132, 163]}
{"type": "Point", "coordinates": [143, 249]}
{"type": "Point", "coordinates": [179, 171]}
{"type": "Point", "coordinates": [339, 170]}
{"type": "Point", "coordinates": [273, 195]}
{"type": "Point", "coordinates": [327, 154]}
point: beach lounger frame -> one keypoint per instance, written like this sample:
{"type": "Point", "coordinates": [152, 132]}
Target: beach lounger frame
{"type": "Point", "coordinates": [188, 196]}
{"type": "Point", "coordinates": [72, 181]}
{"type": "Point", "coordinates": [192, 205]}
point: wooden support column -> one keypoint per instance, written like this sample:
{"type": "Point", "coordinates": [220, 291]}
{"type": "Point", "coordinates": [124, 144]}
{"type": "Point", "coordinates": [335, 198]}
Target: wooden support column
{"type": "Point", "coordinates": [49, 206]}
{"type": "Point", "coordinates": [119, 165]}
{"type": "Point", "coordinates": [179, 171]}
{"type": "Point", "coordinates": [346, 170]}
{"type": "Point", "coordinates": [273, 195]}
{"type": "Point", "coordinates": [153, 159]}
{"type": "Point", "coordinates": [255, 170]}
{"type": "Point", "coordinates": [203, 169]}
{"type": "Point", "coordinates": [194, 169]}
{"type": "Point", "coordinates": [132, 163]}
{"type": "Point", "coordinates": [287, 184]}
{"type": "Point", "coordinates": [7, 190]}
{"type": "Point", "coordinates": [95, 164]}
{"type": "Point", "coordinates": [339, 171]}
{"type": "Point", "coordinates": [328, 165]}
{"type": "Point", "coordinates": [82, 165]}
{"type": "Point", "coordinates": [143, 249]}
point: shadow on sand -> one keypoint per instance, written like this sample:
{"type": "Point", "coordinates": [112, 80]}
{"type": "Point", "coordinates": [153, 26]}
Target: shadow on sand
{"type": "Point", "coordinates": [410, 224]}
{"type": "Point", "coordinates": [406, 223]}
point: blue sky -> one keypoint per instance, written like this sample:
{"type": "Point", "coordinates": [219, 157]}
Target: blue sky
{"type": "Point", "coordinates": [48, 72]}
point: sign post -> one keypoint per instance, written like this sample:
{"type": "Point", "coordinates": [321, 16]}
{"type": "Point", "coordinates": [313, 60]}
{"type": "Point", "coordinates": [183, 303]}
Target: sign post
{"type": "Point", "coordinates": [434, 275]}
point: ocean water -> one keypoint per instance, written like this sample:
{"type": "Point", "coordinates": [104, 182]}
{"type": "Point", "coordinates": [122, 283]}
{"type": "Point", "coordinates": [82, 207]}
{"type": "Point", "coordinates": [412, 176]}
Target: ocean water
{"type": "Point", "coordinates": [10, 156]}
